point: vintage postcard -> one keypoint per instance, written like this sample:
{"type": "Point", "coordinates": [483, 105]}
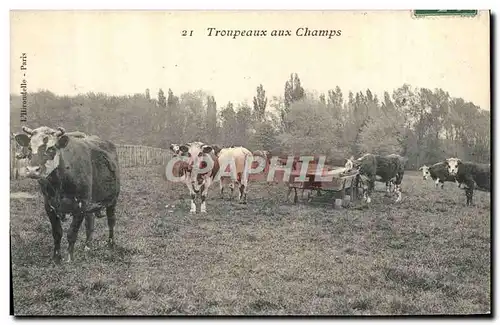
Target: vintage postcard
{"type": "Point", "coordinates": [250, 162]}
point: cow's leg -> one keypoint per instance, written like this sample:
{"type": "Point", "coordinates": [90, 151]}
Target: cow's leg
{"type": "Point", "coordinates": [469, 191]}
{"type": "Point", "coordinates": [232, 185]}
{"type": "Point", "coordinates": [397, 189]}
{"type": "Point", "coordinates": [55, 222]}
{"type": "Point", "coordinates": [193, 197]}
{"type": "Point", "coordinates": [76, 223]}
{"type": "Point", "coordinates": [204, 191]}
{"type": "Point", "coordinates": [388, 187]}
{"type": "Point", "coordinates": [243, 193]}
{"type": "Point", "coordinates": [221, 187]}
{"type": "Point", "coordinates": [89, 227]}
{"type": "Point", "coordinates": [437, 182]}
{"type": "Point", "coordinates": [442, 184]}
{"type": "Point", "coordinates": [458, 183]}
{"type": "Point", "coordinates": [110, 213]}
{"type": "Point", "coordinates": [371, 187]}
{"type": "Point", "coordinates": [243, 190]}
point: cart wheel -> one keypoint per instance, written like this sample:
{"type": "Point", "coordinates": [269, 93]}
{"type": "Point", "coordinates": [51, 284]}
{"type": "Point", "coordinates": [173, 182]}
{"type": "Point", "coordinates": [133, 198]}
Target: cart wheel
{"type": "Point", "coordinates": [288, 195]}
{"type": "Point", "coordinates": [347, 201]}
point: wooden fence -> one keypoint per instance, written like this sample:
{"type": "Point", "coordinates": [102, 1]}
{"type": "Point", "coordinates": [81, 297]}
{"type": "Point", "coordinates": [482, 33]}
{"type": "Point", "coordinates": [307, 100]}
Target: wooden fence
{"type": "Point", "coordinates": [135, 155]}
{"type": "Point", "coordinates": [128, 156]}
{"type": "Point", "coordinates": [14, 163]}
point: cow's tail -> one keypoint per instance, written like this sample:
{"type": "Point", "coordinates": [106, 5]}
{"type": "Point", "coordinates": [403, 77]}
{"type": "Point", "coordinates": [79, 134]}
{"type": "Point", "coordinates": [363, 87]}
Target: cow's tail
{"type": "Point", "coordinates": [247, 167]}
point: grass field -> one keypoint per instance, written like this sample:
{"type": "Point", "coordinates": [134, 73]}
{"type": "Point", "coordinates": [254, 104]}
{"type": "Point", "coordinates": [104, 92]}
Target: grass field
{"type": "Point", "coordinates": [429, 254]}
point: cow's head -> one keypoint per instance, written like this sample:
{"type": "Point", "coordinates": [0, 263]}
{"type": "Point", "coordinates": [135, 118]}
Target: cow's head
{"type": "Point", "coordinates": [216, 149]}
{"type": "Point", "coordinates": [20, 151]}
{"type": "Point", "coordinates": [42, 147]}
{"type": "Point", "coordinates": [175, 148]}
{"type": "Point", "coordinates": [425, 172]}
{"type": "Point", "coordinates": [452, 164]}
{"type": "Point", "coordinates": [199, 162]}
{"type": "Point", "coordinates": [351, 164]}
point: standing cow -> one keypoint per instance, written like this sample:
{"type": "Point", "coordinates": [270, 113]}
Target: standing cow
{"type": "Point", "coordinates": [264, 154]}
{"type": "Point", "coordinates": [200, 166]}
{"type": "Point", "coordinates": [439, 173]}
{"type": "Point", "coordinates": [240, 159]}
{"type": "Point", "coordinates": [20, 160]}
{"type": "Point", "coordinates": [77, 175]}
{"type": "Point", "coordinates": [389, 168]}
{"type": "Point", "coordinates": [473, 175]}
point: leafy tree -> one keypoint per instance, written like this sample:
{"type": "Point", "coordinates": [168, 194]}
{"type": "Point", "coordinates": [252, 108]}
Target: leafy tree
{"type": "Point", "coordinates": [162, 101]}
{"type": "Point", "coordinates": [212, 119]}
{"type": "Point", "coordinates": [260, 103]}
{"type": "Point", "coordinates": [229, 125]}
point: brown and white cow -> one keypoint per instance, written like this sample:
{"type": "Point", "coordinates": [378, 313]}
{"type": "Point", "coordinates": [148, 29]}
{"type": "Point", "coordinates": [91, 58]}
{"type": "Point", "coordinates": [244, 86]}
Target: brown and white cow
{"type": "Point", "coordinates": [264, 154]}
{"type": "Point", "coordinates": [20, 160]}
{"type": "Point", "coordinates": [473, 175]}
{"type": "Point", "coordinates": [439, 173]}
{"type": "Point", "coordinates": [199, 167]}
{"type": "Point", "coordinates": [235, 164]}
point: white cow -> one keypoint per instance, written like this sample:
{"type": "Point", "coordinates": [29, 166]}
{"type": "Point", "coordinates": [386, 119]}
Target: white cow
{"type": "Point", "coordinates": [235, 164]}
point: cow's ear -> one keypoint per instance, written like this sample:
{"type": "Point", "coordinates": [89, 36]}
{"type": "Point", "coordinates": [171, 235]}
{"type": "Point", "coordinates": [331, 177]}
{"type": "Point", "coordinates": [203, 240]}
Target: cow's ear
{"type": "Point", "coordinates": [184, 148]}
{"type": "Point", "coordinates": [62, 141]}
{"type": "Point", "coordinates": [459, 161]}
{"type": "Point", "coordinates": [421, 168]}
{"type": "Point", "coordinates": [22, 139]}
{"type": "Point", "coordinates": [215, 148]}
{"type": "Point", "coordinates": [173, 147]}
{"type": "Point", "coordinates": [207, 149]}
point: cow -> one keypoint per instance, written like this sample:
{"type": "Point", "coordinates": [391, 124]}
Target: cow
{"type": "Point", "coordinates": [77, 175]}
{"type": "Point", "coordinates": [242, 159]}
{"type": "Point", "coordinates": [389, 168]}
{"type": "Point", "coordinates": [199, 168]}
{"type": "Point", "coordinates": [20, 159]}
{"type": "Point", "coordinates": [216, 148]}
{"type": "Point", "coordinates": [473, 175]}
{"type": "Point", "coordinates": [439, 174]}
{"type": "Point", "coordinates": [267, 157]}
{"type": "Point", "coordinates": [262, 153]}
{"type": "Point", "coordinates": [400, 173]}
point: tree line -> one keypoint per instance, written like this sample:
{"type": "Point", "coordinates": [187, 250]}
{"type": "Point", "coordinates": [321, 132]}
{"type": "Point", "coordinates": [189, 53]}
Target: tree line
{"type": "Point", "coordinates": [422, 124]}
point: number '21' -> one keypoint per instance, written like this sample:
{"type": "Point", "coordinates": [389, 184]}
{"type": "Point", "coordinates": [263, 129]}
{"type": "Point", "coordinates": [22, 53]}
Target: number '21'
{"type": "Point", "coordinates": [185, 33]}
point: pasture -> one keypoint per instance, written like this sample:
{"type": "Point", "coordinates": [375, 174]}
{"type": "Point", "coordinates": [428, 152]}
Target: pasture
{"type": "Point", "coordinates": [428, 254]}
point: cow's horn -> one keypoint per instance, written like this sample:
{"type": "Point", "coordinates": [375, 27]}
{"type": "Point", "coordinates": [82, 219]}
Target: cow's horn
{"type": "Point", "coordinates": [27, 130]}
{"type": "Point", "coordinates": [60, 131]}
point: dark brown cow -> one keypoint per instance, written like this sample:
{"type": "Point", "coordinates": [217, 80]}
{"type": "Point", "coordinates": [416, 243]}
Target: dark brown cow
{"type": "Point", "coordinates": [77, 175]}
{"type": "Point", "coordinates": [389, 168]}
{"type": "Point", "coordinates": [473, 175]}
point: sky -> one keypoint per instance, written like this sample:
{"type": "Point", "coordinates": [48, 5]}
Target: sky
{"type": "Point", "coordinates": [125, 52]}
